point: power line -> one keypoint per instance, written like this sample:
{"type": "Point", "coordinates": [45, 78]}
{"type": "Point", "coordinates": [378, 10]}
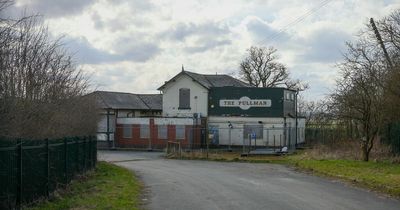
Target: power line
{"type": "Point", "coordinates": [297, 20]}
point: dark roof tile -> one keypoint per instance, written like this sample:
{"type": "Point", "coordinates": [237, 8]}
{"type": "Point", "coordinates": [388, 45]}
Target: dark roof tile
{"type": "Point", "coordinates": [210, 80]}
{"type": "Point", "coordinates": [118, 100]}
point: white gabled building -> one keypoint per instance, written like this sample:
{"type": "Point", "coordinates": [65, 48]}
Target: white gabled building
{"type": "Point", "coordinates": [233, 110]}
{"type": "Point", "coordinates": [186, 94]}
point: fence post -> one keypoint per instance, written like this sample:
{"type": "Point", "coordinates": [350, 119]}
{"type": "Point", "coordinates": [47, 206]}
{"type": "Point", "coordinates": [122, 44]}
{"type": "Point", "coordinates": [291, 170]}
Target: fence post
{"type": "Point", "coordinates": [84, 153]}
{"type": "Point", "coordinates": [19, 174]}
{"type": "Point", "coordinates": [47, 167]}
{"type": "Point", "coordinates": [90, 152]}
{"type": "Point", "coordinates": [66, 161]}
{"type": "Point", "coordinates": [94, 148]}
{"type": "Point", "coordinates": [77, 155]}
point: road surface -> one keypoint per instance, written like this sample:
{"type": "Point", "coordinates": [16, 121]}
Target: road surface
{"type": "Point", "coordinates": [184, 184]}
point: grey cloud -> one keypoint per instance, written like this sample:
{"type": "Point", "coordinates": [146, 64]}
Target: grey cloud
{"type": "Point", "coordinates": [205, 45]}
{"type": "Point", "coordinates": [132, 48]}
{"type": "Point", "coordinates": [209, 35]}
{"type": "Point", "coordinates": [52, 8]}
{"type": "Point", "coordinates": [135, 17]}
{"type": "Point", "coordinates": [87, 54]}
{"type": "Point", "coordinates": [325, 45]}
{"type": "Point", "coordinates": [181, 31]}
{"type": "Point", "coordinates": [263, 32]}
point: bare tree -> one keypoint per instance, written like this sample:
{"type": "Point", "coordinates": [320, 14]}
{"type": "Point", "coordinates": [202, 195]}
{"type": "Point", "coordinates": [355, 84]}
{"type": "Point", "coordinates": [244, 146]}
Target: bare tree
{"type": "Point", "coordinates": [41, 88]}
{"type": "Point", "coordinates": [359, 96]}
{"type": "Point", "coordinates": [316, 113]}
{"type": "Point", "coordinates": [260, 68]}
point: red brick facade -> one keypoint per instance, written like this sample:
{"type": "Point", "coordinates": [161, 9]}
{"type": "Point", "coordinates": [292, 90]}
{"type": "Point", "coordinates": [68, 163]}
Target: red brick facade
{"type": "Point", "coordinates": [192, 137]}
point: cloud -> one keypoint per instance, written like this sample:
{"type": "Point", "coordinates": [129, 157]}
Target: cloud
{"type": "Point", "coordinates": [53, 8]}
{"type": "Point", "coordinates": [135, 45]}
{"type": "Point", "coordinates": [180, 31]}
{"type": "Point", "coordinates": [206, 44]}
{"type": "Point", "coordinates": [124, 51]}
{"type": "Point", "coordinates": [325, 45]}
{"type": "Point", "coordinates": [262, 31]}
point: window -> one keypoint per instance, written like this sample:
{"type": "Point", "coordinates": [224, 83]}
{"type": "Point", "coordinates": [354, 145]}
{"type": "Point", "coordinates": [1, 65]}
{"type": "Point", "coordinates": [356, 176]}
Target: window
{"type": "Point", "coordinates": [184, 98]}
{"type": "Point", "coordinates": [144, 131]}
{"type": "Point", "coordinates": [256, 129]}
{"type": "Point", "coordinates": [127, 131]}
{"type": "Point", "coordinates": [180, 131]}
{"type": "Point", "coordinates": [162, 131]}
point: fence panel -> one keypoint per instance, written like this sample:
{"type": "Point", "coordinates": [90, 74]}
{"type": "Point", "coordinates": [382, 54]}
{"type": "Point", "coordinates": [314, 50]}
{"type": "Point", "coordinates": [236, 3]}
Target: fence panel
{"type": "Point", "coordinates": [31, 169]}
{"type": "Point", "coordinates": [393, 137]}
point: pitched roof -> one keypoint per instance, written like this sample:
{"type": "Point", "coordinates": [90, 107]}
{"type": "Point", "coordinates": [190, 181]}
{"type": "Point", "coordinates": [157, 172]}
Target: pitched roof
{"type": "Point", "coordinates": [118, 100]}
{"type": "Point", "coordinates": [210, 80]}
{"type": "Point", "coordinates": [153, 101]}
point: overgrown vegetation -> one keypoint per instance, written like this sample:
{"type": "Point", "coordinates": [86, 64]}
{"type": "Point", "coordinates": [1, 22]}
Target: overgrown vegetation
{"type": "Point", "coordinates": [107, 187]}
{"type": "Point", "coordinates": [365, 100]}
{"type": "Point", "coordinates": [382, 176]}
{"type": "Point", "coordinates": [41, 87]}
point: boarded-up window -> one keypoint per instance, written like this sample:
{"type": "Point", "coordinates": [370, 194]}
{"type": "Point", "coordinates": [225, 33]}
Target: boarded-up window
{"type": "Point", "coordinates": [180, 131]}
{"type": "Point", "coordinates": [184, 98]}
{"type": "Point", "coordinates": [127, 131]}
{"type": "Point", "coordinates": [144, 131]}
{"type": "Point", "coordinates": [256, 129]}
{"type": "Point", "coordinates": [162, 131]}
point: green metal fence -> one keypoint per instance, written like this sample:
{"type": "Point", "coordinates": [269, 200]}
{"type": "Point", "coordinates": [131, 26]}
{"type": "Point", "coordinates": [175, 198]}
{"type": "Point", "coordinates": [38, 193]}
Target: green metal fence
{"type": "Point", "coordinates": [330, 134]}
{"type": "Point", "coordinates": [326, 134]}
{"type": "Point", "coordinates": [392, 137]}
{"type": "Point", "coordinates": [32, 169]}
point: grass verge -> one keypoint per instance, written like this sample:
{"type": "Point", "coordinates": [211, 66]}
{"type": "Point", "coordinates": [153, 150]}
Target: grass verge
{"type": "Point", "coordinates": [107, 187]}
{"type": "Point", "coordinates": [378, 176]}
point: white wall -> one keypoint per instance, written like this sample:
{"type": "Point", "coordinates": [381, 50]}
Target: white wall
{"type": "Point", "coordinates": [273, 128]}
{"type": "Point", "coordinates": [171, 98]}
{"type": "Point", "coordinates": [173, 121]}
{"type": "Point", "coordinates": [157, 121]}
{"type": "Point", "coordinates": [141, 121]}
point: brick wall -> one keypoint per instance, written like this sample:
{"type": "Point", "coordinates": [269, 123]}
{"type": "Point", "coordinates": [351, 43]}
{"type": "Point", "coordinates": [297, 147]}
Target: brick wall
{"type": "Point", "coordinates": [192, 135]}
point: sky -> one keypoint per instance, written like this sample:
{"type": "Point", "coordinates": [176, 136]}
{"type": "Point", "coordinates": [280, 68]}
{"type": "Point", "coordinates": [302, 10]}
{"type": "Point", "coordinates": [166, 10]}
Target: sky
{"type": "Point", "coordinates": [137, 45]}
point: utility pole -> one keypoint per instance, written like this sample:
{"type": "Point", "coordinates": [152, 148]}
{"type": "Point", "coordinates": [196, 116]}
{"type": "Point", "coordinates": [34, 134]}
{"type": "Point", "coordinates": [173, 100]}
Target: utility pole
{"type": "Point", "coordinates": [380, 41]}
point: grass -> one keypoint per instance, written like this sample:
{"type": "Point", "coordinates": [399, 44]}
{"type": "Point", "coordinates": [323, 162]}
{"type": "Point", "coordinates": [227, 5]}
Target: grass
{"type": "Point", "coordinates": [382, 176]}
{"type": "Point", "coordinates": [107, 187]}
{"type": "Point", "coordinates": [378, 176]}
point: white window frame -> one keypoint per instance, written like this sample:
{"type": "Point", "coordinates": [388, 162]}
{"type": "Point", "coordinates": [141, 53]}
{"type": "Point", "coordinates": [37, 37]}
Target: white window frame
{"type": "Point", "coordinates": [166, 131]}
{"type": "Point", "coordinates": [125, 134]}
{"type": "Point", "coordinates": [176, 132]}
{"type": "Point", "coordinates": [144, 135]}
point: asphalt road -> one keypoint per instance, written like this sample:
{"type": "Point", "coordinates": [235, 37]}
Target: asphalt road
{"type": "Point", "coordinates": [183, 184]}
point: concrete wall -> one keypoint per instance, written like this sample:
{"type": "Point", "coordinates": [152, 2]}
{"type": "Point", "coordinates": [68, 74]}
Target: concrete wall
{"type": "Point", "coordinates": [171, 98]}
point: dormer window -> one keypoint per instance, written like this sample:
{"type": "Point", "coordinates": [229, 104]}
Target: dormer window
{"type": "Point", "coordinates": [184, 98]}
